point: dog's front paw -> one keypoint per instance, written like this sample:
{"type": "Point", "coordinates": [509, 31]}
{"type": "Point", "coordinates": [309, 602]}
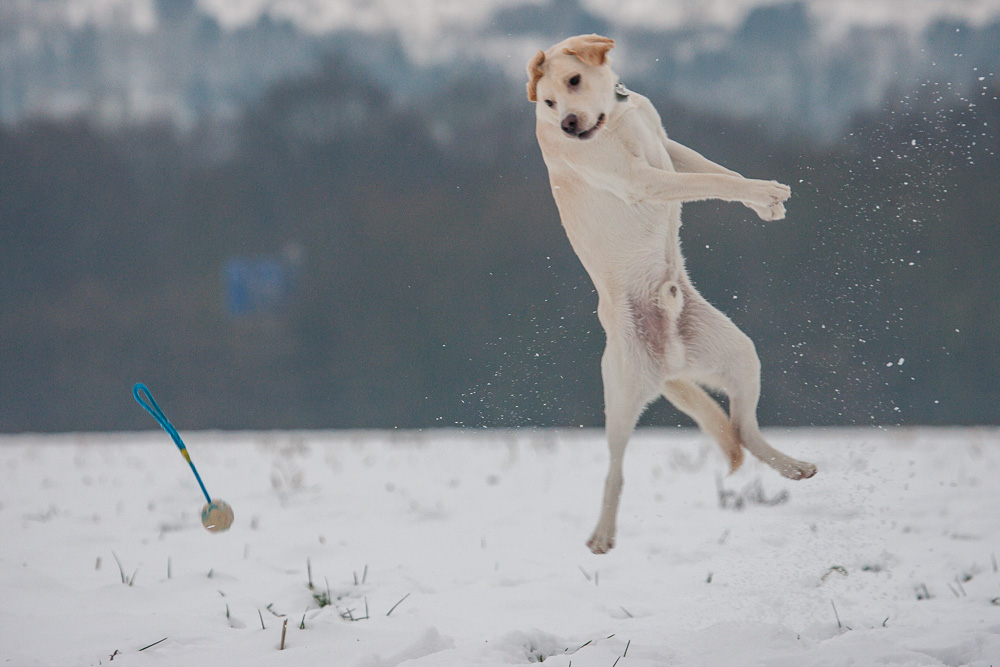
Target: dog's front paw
{"type": "Point", "coordinates": [769, 213]}
{"type": "Point", "coordinates": [766, 199]}
{"type": "Point", "coordinates": [602, 541]}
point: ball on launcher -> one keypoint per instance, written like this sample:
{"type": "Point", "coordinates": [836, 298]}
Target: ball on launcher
{"type": "Point", "coordinates": [217, 516]}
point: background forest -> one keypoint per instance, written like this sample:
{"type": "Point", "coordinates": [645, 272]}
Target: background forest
{"type": "Point", "coordinates": [369, 241]}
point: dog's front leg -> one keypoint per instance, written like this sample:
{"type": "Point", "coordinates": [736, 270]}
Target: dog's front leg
{"type": "Point", "coordinates": [765, 197]}
{"type": "Point", "coordinates": [686, 160]}
{"type": "Point", "coordinates": [623, 402]}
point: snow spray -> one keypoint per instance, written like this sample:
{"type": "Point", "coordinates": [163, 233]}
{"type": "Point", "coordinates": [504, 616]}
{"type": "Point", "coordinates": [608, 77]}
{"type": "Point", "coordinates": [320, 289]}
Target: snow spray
{"type": "Point", "coordinates": [216, 515]}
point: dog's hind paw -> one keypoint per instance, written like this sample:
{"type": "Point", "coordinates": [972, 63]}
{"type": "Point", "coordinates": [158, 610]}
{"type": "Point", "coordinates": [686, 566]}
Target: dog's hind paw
{"type": "Point", "coordinates": [798, 470]}
{"type": "Point", "coordinates": [601, 542]}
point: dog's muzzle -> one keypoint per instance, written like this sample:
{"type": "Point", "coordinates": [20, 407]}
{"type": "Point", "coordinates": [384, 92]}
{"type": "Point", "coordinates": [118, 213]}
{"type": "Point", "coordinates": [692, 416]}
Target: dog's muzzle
{"type": "Point", "coordinates": [571, 126]}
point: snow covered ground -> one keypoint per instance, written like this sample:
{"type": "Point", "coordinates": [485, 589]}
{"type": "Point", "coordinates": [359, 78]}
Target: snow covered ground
{"type": "Point", "coordinates": [452, 548]}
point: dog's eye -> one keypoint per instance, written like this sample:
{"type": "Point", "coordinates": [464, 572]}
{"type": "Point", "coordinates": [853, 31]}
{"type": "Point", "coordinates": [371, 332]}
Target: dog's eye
{"type": "Point", "coordinates": [550, 103]}
{"type": "Point", "coordinates": [575, 80]}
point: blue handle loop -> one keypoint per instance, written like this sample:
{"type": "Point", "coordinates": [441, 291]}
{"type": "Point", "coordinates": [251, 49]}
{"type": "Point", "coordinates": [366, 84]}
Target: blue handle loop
{"type": "Point", "coordinates": [146, 400]}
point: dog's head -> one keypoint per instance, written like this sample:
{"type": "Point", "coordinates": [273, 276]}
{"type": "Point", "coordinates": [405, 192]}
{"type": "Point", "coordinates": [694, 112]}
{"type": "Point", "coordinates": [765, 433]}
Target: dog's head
{"type": "Point", "coordinates": [573, 86]}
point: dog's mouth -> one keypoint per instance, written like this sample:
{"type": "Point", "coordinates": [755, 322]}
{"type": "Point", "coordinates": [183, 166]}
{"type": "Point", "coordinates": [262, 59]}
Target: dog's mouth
{"type": "Point", "coordinates": [592, 131]}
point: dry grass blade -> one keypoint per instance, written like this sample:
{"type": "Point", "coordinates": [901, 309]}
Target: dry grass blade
{"type": "Point", "coordinates": [397, 604]}
{"type": "Point", "coordinates": [152, 645]}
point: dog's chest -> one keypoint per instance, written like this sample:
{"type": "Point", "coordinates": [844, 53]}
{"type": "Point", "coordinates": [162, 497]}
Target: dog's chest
{"type": "Point", "coordinates": [601, 203]}
{"type": "Point", "coordinates": [619, 242]}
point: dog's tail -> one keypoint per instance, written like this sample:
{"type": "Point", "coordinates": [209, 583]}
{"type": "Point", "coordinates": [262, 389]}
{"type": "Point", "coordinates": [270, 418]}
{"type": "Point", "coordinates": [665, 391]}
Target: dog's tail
{"type": "Point", "coordinates": [695, 402]}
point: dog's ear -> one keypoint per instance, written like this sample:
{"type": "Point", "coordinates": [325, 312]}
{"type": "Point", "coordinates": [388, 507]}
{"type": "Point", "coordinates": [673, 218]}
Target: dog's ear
{"type": "Point", "coordinates": [591, 49]}
{"type": "Point", "coordinates": [534, 74]}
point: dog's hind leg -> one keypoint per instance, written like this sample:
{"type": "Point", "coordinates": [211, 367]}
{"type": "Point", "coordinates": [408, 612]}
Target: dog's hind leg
{"type": "Point", "coordinates": [728, 359]}
{"type": "Point", "coordinates": [695, 402]}
{"type": "Point", "coordinates": [625, 396]}
{"type": "Point", "coordinates": [742, 383]}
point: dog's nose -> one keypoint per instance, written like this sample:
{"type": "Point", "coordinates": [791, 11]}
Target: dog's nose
{"type": "Point", "coordinates": [570, 124]}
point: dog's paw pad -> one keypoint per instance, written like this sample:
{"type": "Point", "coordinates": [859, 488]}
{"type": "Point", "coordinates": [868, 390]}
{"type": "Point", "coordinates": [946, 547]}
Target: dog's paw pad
{"type": "Point", "coordinates": [799, 470]}
{"type": "Point", "coordinates": [767, 198]}
{"type": "Point", "coordinates": [601, 544]}
{"type": "Point", "coordinates": [776, 212]}
{"type": "Point", "coordinates": [780, 191]}
{"type": "Point", "coordinates": [769, 213]}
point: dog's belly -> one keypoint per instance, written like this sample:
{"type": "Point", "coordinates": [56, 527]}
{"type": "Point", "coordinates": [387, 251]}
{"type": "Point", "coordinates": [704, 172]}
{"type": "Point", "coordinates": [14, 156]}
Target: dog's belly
{"type": "Point", "coordinates": [633, 246]}
{"type": "Point", "coordinates": [650, 325]}
{"type": "Point", "coordinates": [653, 326]}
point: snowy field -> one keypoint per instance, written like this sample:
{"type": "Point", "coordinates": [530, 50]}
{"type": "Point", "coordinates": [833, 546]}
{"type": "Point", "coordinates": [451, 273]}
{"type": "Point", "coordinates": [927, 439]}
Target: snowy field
{"type": "Point", "coordinates": [457, 548]}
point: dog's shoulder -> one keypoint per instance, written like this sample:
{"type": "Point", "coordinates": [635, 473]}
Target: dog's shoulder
{"type": "Point", "coordinates": [642, 114]}
{"type": "Point", "coordinates": [640, 132]}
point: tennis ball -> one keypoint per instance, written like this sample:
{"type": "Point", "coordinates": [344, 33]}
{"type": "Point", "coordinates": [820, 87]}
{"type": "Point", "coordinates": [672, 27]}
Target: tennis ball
{"type": "Point", "coordinates": [217, 516]}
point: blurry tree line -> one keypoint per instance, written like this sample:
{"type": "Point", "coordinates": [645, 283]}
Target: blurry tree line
{"type": "Point", "coordinates": [434, 285]}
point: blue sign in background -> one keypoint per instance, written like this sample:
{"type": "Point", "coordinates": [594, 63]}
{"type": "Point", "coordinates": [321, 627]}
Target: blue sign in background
{"type": "Point", "coordinates": [256, 285]}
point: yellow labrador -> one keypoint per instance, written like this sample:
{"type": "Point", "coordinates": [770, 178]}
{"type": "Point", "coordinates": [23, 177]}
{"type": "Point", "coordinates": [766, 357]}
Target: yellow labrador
{"type": "Point", "coordinates": [619, 182]}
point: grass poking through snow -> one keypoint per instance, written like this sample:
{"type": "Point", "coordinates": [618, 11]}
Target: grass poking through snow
{"type": "Point", "coordinates": [125, 580]}
{"type": "Point", "coordinates": [389, 613]}
{"type": "Point", "coordinates": [153, 644]}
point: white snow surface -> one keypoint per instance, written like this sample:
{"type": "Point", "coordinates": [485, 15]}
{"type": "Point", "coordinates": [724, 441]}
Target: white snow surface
{"type": "Point", "coordinates": [474, 540]}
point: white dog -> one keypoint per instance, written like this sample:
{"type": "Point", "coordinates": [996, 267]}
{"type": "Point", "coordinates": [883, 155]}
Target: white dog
{"type": "Point", "coordinates": [619, 182]}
